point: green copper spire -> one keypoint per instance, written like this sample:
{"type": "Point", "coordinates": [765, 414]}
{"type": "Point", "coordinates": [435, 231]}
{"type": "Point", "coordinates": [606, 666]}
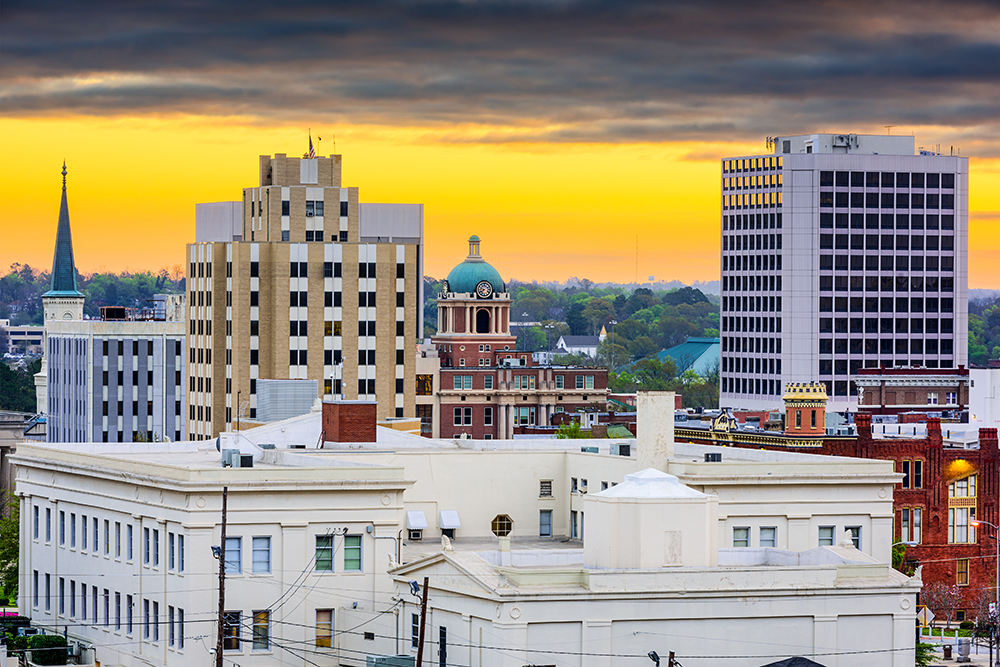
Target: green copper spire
{"type": "Point", "coordinates": [63, 269]}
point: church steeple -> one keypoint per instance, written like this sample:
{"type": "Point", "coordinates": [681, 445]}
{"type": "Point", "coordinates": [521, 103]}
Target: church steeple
{"type": "Point", "coordinates": [63, 268]}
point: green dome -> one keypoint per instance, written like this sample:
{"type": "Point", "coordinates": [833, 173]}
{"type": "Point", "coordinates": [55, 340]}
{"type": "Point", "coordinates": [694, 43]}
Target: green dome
{"type": "Point", "coordinates": [474, 270]}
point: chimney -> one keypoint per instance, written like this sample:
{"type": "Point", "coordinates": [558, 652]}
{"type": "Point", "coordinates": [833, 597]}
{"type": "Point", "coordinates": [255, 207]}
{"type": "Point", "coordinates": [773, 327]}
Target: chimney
{"type": "Point", "coordinates": [654, 429]}
{"type": "Point", "coordinates": [349, 421]}
{"type": "Point", "coordinates": [988, 439]}
{"type": "Point", "coordinates": [863, 422]}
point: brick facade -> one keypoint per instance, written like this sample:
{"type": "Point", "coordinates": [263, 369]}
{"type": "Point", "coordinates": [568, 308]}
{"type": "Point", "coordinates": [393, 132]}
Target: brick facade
{"type": "Point", "coordinates": [349, 421]}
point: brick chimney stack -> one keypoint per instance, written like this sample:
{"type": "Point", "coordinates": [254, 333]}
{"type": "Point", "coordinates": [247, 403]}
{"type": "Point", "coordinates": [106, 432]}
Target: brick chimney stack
{"type": "Point", "coordinates": [863, 422]}
{"type": "Point", "coordinates": [349, 421]}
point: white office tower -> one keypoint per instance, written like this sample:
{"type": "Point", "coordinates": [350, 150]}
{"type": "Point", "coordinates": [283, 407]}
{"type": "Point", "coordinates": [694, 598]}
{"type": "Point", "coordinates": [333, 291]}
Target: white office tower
{"type": "Point", "coordinates": [840, 252]}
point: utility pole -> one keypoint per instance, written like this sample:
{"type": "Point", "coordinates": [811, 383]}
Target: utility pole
{"type": "Point", "coordinates": [222, 581]}
{"type": "Point", "coordinates": [423, 625]}
{"type": "Point", "coordinates": [670, 660]}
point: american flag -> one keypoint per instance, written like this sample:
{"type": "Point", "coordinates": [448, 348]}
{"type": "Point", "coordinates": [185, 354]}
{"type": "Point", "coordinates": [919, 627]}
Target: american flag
{"type": "Point", "coordinates": [312, 151]}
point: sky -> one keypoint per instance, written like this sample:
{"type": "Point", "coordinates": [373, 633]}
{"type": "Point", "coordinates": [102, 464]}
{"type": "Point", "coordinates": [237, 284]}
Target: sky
{"type": "Point", "coordinates": [575, 138]}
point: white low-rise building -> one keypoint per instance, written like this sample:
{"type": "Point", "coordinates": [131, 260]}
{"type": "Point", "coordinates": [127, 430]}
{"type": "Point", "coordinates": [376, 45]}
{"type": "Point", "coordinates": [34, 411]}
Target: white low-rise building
{"type": "Point", "coordinates": [703, 533]}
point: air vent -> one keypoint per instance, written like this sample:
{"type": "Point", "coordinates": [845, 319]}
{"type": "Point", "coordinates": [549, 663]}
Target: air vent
{"type": "Point", "coordinates": [713, 457]}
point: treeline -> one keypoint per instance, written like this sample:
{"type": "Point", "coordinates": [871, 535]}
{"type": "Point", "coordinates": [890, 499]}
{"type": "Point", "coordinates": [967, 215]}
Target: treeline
{"type": "Point", "coordinates": [639, 323]}
{"type": "Point", "coordinates": [22, 288]}
{"type": "Point", "coordinates": [984, 330]}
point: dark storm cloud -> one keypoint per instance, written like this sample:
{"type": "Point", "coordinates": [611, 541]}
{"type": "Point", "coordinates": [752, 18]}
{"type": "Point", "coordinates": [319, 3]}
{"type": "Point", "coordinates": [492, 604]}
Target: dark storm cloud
{"type": "Point", "coordinates": [552, 71]}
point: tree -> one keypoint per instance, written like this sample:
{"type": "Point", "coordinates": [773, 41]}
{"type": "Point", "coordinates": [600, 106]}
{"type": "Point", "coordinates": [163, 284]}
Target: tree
{"type": "Point", "coordinates": [17, 387]}
{"type": "Point", "coordinates": [597, 313]}
{"type": "Point", "coordinates": [571, 431]}
{"type": "Point", "coordinates": [942, 599]}
{"type": "Point", "coordinates": [575, 319]}
{"type": "Point", "coordinates": [10, 527]}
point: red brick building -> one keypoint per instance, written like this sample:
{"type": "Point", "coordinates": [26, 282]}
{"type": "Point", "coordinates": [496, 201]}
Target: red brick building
{"type": "Point", "coordinates": [942, 491]}
{"type": "Point", "coordinates": [486, 388]}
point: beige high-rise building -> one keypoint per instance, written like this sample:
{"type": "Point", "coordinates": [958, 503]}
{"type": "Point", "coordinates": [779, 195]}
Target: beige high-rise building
{"type": "Point", "coordinates": [314, 286]}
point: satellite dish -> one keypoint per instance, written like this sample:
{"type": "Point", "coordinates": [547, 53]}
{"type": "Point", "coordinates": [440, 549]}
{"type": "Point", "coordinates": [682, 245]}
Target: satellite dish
{"type": "Point", "coordinates": [218, 444]}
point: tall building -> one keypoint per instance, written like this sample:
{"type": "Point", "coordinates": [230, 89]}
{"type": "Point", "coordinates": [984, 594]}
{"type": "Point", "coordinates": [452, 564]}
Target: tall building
{"type": "Point", "coordinates": [310, 286]}
{"type": "Point", "coordinates": [480, 385]}
{"type": "Point", "coordinates": [840, 252]}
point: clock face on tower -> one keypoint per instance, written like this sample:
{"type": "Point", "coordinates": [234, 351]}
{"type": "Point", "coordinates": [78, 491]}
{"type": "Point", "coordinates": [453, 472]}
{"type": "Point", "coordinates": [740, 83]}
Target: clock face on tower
{"type": "Point", "coordinates": [484, 289]}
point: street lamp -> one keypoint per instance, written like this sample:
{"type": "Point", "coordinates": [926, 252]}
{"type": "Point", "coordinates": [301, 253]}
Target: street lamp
{"type": "Point", "coordinates": [996, 538]}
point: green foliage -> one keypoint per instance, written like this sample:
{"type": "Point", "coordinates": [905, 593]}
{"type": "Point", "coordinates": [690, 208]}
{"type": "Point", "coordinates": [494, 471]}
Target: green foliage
{"type": "Point", "coordinates": [48, 649]}
{"type": "Point", "coordinates": [966, 625]}
{"type": "Point", "coordinates": [10, 531]}
{"type": "Point", "coordinates": [984, 331]}
{"type": "Point", "coordinates": [17, 387]}
{"type": "Point", "coordinates": [924, 654]}
{"type": "Point", "coordinates": [571, 431]}
{"type": "Point", "coordinates": [899, 560]}
{"type": "Point", "coordinates": [22, 288]}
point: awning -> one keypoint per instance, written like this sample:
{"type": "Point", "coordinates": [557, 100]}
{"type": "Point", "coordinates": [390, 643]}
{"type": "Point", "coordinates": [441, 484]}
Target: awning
{"type": "Point", "coordinates": [450, 520]}
{"type": "Point", "coordinates": [415, 520]}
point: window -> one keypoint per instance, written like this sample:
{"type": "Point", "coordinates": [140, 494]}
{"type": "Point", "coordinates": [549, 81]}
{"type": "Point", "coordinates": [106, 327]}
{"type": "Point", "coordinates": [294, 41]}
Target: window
{"type": "Point", "coordinates": [145, 544]}
{"type": "Point", "coordinates": [905, 465]}
{"type": "Point", "coordinates": [231, 630]}
{"type": "Point", "coordinates": [170, 626]}
{"type": "Point", "coordinates": [425, 385]}
{"type": "Point", "coordinates": [234, 555]}
{"type": "Point", "coordinates": [488, 416]}
{"type": "Point", "coordinates": [180, 553]}
{"type": "Point", "coordinates": [129, 542]}
{"type": "Point", "coordinates": [487, 382]}
{"type": "Point", "coordinates": [261, 555]}
{"type": "Point", "coordinates": [545, 523]}
{"type": "Point", "coordinates": [35, 522]}
{"type": "Point", "coordinates": [107, 608]}
{"type": "Point", "coordinates": [855, 532]}
{"type": "Point", "coordinates": [917, 517]}
{"type": "Point", "coordinates": [502, 525]}
{"type": "Point", "coordinates": [324, 628]}
{"type": "Point", "coordinates": [118, 539]}
{"type": "Point", "coordinates": [35, 589]}
{"type": "Point", "coordinates": [48, 525]}
{"type": "Point", "coordinates": [72, 530]}
{"type": "Point", "coordinates": [572, 525]}
{"type": "Point", "coordinates": [156, 548]}
{"type": "Point", "coordinates": [262, 630]}
{"type": "Point", "coordinates": [415, 630]}
{"type": "Point", "coordinates": [171, 560]}
{"type": "Point", "coordinates": [826, 535]}
{"type": "Point", "coordinates": [324, 553]}
{"type": "Point", "coordinates": [96, 536]}
{"type": "Point", "coordinates": [573, 485]}
{"type": "Point", "coordinates": [128, 613]}
{"type": "Point", "coordinates": [545, 488]}
{"type": "Point", "coordinates": [352, 553]}
{"type": "Point", "coordinates": [918, 474]}
{"type": "Point", "coordinates": [62, 527]}
{"type": "Point", "coordinates": [62, 596]}
{"type": "Point", "coordinates": [180, 628]}
{"type": "Point", "coordinates": [118, 611]}
{"type": "Point", "coordinates": [741, 537]}
{"type": "Point", "coordinates": [145, 619]}
{"type": "Point", "coordinates": [768, 536]}
{"type": "Point", "coordinates": [962, 571]}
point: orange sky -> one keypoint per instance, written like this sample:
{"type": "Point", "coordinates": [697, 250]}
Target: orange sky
{"type": "Point", "coordinates": [544, 211]}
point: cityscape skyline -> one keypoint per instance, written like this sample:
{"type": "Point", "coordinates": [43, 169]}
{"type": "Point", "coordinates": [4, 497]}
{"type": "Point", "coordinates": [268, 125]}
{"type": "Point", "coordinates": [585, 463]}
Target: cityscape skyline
{"type": "Point", "coordinates": [562, 125]}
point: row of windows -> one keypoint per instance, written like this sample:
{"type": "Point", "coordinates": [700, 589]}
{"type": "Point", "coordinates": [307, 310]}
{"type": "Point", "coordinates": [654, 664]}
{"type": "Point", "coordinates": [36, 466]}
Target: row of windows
{"type": "Point", "coordinates": [752, 182]}
{"type": "Point", "coordinates": [886, 221]}
{"type": "Point", "coordinates": [754, 200]}
{"type": "Point", "coordinates": [68, 598]}
{"type": "Point", "coordinates": [885, 179]}
{"type": "Point", "coordinates": [886, 284]}
{"type": "Point", "coordinates": [755, 386]}
{"type": "Point", "coordinates": [91, 527]}
{"type": "Point", "coordinates": [750, 304]}
{"type": "Point", "coordinates": [754, 344]}
{"type": "Point", "coordinates": [767, 536]}
{"type": "Point", "coordinates": [885, 263]}
{"type": "Point", "coordinates": [885, 304]}
{"type": "Point", "coordinates": [873, 346]}
{"type": "Point", "coordinates": [314, 208]}
{"type": "Point", "coordinates": [886, 242]}
{"type": "Point", "coordinates": [751, 283]}
{"type": "Point", "coordinates": [751, 221]}
{"type": "Point", "coordinates": [745, 365]}
{"type": "Point", "coordinates": [751, 242]}
{"type": "Point", "coordinates": [106, 345]}
{"type": "Point", "coordinates": [747, 263]}
{"type": "Point", "coordinates": [751, 164]}
{"type": "Point", "coordinates": [464, 382]}
{"type": "Point", "coordinates": [898, 200]}
{"type": "Point", "coordinates": [851, 367]}
{"type": "Point", "coordinates": [751, 324]}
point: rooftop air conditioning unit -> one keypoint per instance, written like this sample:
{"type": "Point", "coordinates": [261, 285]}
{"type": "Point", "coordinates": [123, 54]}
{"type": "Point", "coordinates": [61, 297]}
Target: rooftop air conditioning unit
{"type": "Point", "coordinates": [589, 450]}
{"type": "Point", "coordinates": [621, 449]}
{"type": "Point", "coordinates": [242, 460]}
{"type": "Point", "coordinates": [228, 457]}
{"type": "Point", "coordinates": [390, 661]}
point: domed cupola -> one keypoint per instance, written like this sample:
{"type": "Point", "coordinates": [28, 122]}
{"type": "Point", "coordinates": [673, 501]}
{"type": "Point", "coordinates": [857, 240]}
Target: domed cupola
{"type": "Point", "coordinates": [475, 275]}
